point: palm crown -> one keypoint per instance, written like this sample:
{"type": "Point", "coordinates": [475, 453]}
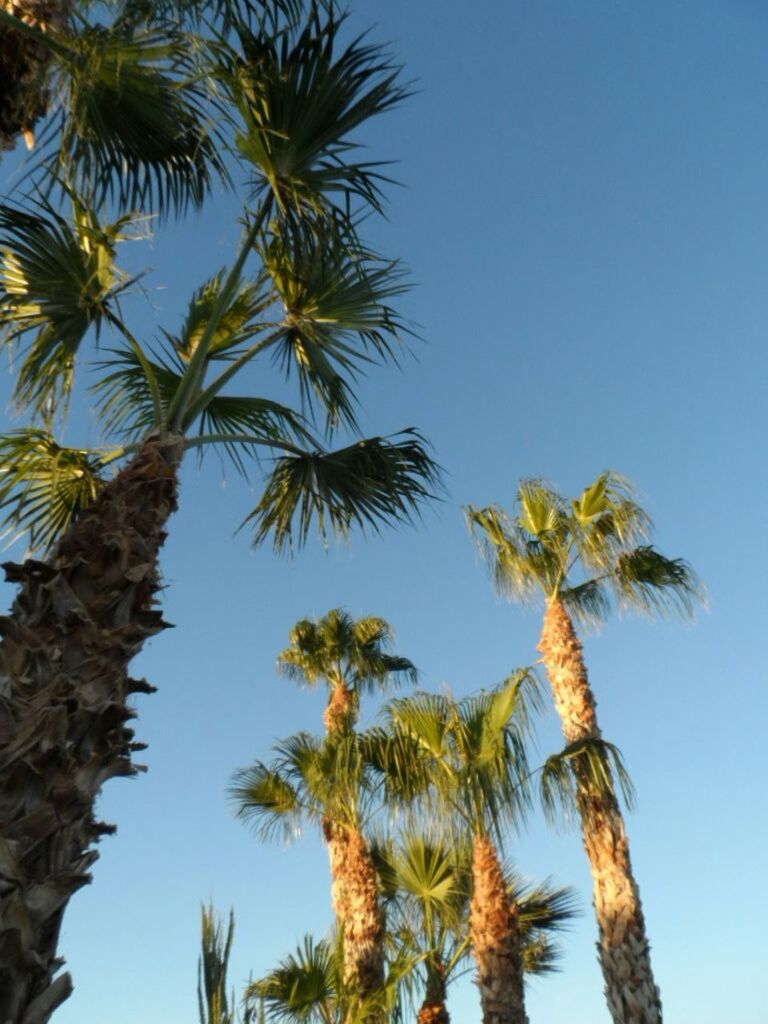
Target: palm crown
{"type": "Point", "coordinates": [585, 552]}
{"type": "Point", "coordinates": [317, 303]}
{"type": "Point", "coordinates": [345, 653]}
{"type": "Point", "coordinates": [469, 756]}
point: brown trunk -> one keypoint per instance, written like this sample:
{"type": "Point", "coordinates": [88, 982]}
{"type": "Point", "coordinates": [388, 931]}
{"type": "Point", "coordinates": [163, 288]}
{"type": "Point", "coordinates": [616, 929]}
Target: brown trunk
{"type": "Point", "coordinates": [623, 947]}
{"type": "Point", "coordinates": [356, 904]}
{"type": "Point", "coordinates": [78, 619]}
{"type": "Point", "coordinates": [24, 66]}
{"type": "Point", "coordinates": [340, 709]}
{"type": "Point", "coordinates": [433, 1009]}
{"type": "Point", "coordinates": [495, 937]}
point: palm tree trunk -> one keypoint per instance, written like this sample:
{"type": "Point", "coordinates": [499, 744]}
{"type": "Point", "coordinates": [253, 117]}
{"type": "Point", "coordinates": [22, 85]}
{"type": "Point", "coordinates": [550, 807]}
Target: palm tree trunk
{"type": "Point", "coordinates": [340, 709]}
{"type": "Point", "coordinates": [78, 619]}
{"type": "Point", "coordinates": [434, 1010]}
{"type": "Point", "coordinates": [24, 65]}
{"type": "Point", "coordinates": [355, 898]}
{"type": "Point", "coordinates": [495, 937]}
{"type": "Point", "coordinates": [623, 948]}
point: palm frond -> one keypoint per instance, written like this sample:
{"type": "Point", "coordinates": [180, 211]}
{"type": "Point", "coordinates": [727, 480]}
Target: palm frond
{"type": "Point", "coordinates": [503, 547]}
{"type": "Point", "coordinates": [587, 602]}
{"type": "Point", "coordinates": [586, 766]}
{"type": "Point", "coordinates": [337, 317]}
{"type": "Point", "coordinates": [58, 280]}
{"type": "Point", "coordinates": [268, 801]}
{"type": "Point", "coordinates": [124, 397]}
{"type": "Point", "coordinates": [213, 1004]}
{"type": "Point", "coordinates": [136, 128]}
{"type": "Point", "coordinates": [300, 105]}
{"type": "Point", "coordinates": [647, 580]}
{"type": "Point", "coordinates": [372, 483]}
{"type": "Point", "coordinates": [248, 420]}
{"type": "Point", "coordinates": [304, 987]}
{"type": "Point", "coordinates": [43, 485]}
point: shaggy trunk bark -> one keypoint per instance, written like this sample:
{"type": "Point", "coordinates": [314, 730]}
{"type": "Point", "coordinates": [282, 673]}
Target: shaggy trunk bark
{"type": "Point", "coordinates": [78, 619]}
{"type": "Point", "coordinates": [623, 948]}
{"type": "Point", "coordinates": [340, 709]}
{"type": "Point", "coordinates": [433, 1009]}
{"type": "Point", "coordinates": [355, 898]}
{"type": "Point", "coordinates": [24, 66]}
{"type": "Point", "coordinates": [495, 937]}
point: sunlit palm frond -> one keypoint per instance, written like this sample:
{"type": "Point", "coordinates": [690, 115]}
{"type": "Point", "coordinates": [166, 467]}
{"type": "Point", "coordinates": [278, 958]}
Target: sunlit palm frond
{"type": "Point", "coordinates": [212, 998]}
{"type": "Point", "coordinates": [58, 279]}
{"type": "Point", "coordinates": [541, 510]}
{"type": "Point", "coordinates": [43, 485]}
{"type": "Point", "coordinates": [372, 483]}
{"type": "Point", "coordinates": [134, 126]}
{"type": "Point", "coordinates": [646, 580]}
{"type": "Point", "coordinates": [301, 101]}
{"type": "Point", "coordinates": [581, 767]}
{"type": "Point", "coordinates": [606, 520]}
{"type": "Point", "coordinates": [241, 319]}
{"type": "Point", "coordinates": [515, 573]}
{"type": "Point", "coordinates": [337, 316]}
{"type": "Point", "coordinates": [268, 801]}
{"type": "Point", "coordinates": [305, 986]}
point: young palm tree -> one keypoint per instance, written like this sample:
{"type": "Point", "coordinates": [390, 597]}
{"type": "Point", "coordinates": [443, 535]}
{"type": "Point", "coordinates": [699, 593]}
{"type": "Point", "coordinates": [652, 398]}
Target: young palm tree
{"type": "Point", "coordinates": [317, 300]}
{"type": "Point", "coordinates": [468, 758]}
{"type": "Point", "coordinates": [309, 987]}
{"type": "Point", "coordinates": [577, 555]}
{"type": "Point", "coordinates": [426, 884]}
{"type": "Point", "coordinates": [349, 655]}
{"type": "Point", "coordinates": [326, 783]}
{"type": "Point", "coordinates": [214, 1005]}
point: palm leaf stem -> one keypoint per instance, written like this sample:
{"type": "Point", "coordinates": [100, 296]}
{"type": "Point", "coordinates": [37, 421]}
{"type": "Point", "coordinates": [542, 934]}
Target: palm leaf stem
{"type": "Point", "coordinates": [193, 374]}
{"type": "Point", "coordinates": [205, 396]}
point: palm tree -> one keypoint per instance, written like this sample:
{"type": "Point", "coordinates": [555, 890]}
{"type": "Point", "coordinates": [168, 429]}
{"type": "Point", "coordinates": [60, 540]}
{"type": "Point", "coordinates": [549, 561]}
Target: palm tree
{"type": "Point", "coordinates": [349, 655]}
{"type": "Point", "coordinates": [214, 1005]}
{"type": "Point", "coordinates": [468, 758]}
{"type": "Point", "coordinates": [426, 883]}
{"type": "Point", "coordinates": [318, 300]}
{"type": "Point", "coordinates": [309, 987]}
{"type": "Point", "coordinates": [579, 555]}
{"type": "Point", "coordinates": [327, 783]}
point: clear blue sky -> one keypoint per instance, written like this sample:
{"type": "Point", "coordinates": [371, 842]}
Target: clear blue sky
{"type": "Point", "coordinates": [586, 215]}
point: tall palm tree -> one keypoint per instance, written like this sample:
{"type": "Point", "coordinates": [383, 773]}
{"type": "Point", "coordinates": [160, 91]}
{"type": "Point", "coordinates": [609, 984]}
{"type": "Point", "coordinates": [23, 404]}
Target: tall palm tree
{"type": "Point", "coordinates": [349, 655]}
{"type": "Point", "coordinates": [326, 783]}
{"type": "Point", "coordinates": [317, 299]}
{"type": "Point", "coordinates": [426, 883]}
{"type": "Point", "coordinates": [579, 556]}
{"type": "Point", "coordinates": [468, 757]}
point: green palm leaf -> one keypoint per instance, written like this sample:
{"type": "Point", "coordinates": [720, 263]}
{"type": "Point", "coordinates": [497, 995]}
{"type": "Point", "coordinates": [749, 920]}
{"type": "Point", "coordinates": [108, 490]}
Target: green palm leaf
{"type": "Point", "coordinates": [369, 484]}
{"type": "Point", "coordinates": [58, 280]}
{"type": "Point", "coordinates": [43, 485]}
{"type": "Point", "coordinates": [134, 126]}
{"type": "Point", "coordinates": [300, 104]}
{"type": "Point", "coordinates": [646, 579]}
{"type": "Point", "coordinates": [337, 317]}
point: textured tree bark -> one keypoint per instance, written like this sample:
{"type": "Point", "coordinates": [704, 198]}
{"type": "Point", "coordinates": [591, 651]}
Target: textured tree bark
{"type": "Point", "coordinates": [78, 619]}
{"type": "Point", "coordinates": [495, 938]}
{"type": "Point", "coordinates": [623, 948]}
{"type": "Point", "coordinates": [355, 898]}
{"type": "Point", "coordinates": [24, 63]}
{"type": "Point", "coordinates": [340, 710]}
{"type": "Point", "coordinates": [434, 1010]}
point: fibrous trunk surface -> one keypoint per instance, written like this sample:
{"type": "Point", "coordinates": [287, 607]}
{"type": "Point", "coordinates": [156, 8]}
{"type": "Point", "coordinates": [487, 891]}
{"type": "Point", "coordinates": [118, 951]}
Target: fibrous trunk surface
{"type": "Point", "coordinates": [339, 712]}
{"type": "Point", "coordinates": [623, 948]}
{"type": "Point", "coordinates": [495, 937]}
{"type": "Point", "coordinates": [433, 1010]}
{"type": "Point", "coordinates": [356, 904]}
{"type": "Point", "coordinates": [24, 64]}
{"type": "Point", "coordinates": [78, 619]}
